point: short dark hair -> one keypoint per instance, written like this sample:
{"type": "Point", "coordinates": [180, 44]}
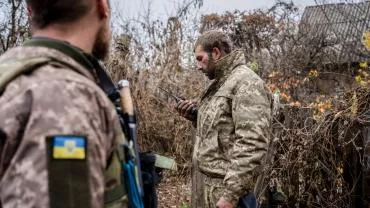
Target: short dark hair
{"type": "Point", "coordinates": [214, 39]}
{"type": "Point", "coordinates": [46, 12]}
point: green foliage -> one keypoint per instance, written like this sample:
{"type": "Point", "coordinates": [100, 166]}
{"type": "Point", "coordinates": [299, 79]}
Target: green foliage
{"type": "Point", "coordinates": [253, 65]}
{"type": "Point", "coordinates": [184, 205]}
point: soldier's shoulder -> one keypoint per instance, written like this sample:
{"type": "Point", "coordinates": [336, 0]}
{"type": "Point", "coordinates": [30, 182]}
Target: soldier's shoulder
{"type": "Point", "coordinates": [20, 52]}
{"type": "Point", "coordinates": [70, 83]}
{"type": "Point", "coordinates": [72, 72]}
{"type": "Point", "coordinates": [244, 72]}
{"type": "Point", "coordinates": [243, 75]}
{"type": "Point", "coordinates": [44, 76]}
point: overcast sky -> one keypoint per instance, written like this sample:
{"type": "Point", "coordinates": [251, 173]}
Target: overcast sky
{"type": "Point", "coordinates": [130, 8]}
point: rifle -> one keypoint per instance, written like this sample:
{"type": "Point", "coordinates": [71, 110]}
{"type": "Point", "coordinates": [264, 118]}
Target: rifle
{"type": "Point", "coordinates": [122, 100]}
{"type": "Point", "coordinates": [132, 168]}
{"type": "Point", "coordinates": [142, 181]}
{"type": "Point", "coordinates": [146, 175]}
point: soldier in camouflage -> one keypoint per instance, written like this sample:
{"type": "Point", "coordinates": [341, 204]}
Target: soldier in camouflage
{"type": "Point", "coordinates": [232, 123]}
{"type": "Point", "coordinates": [58, 130]}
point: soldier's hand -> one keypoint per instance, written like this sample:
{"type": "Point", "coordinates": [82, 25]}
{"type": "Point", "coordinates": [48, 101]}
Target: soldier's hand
{"type": "Point", "coordinates": [186, 109]}
{"type": "Point", "coordinates": [222, 203]}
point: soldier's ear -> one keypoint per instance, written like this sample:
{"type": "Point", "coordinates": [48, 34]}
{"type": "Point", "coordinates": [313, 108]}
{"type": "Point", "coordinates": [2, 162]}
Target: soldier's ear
{"type": "Point", "coordinates": [103, 8]}
{"type": "Point", "coordinates": [216, 53]}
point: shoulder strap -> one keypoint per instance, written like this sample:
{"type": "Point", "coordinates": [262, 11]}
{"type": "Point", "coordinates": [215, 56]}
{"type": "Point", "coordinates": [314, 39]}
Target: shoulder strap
{"type": "Point", "coordinates": [11, 69]}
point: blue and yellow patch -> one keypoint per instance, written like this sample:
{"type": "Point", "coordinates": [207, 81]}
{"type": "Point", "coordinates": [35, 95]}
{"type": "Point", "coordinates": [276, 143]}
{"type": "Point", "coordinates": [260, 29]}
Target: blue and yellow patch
{"type": "Point", "coordinates": [69, 147]}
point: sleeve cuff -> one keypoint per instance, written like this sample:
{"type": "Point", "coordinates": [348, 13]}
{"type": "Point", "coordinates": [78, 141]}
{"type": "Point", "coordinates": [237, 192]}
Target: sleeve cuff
{"type": "Point", "coordinates": [230, 197]}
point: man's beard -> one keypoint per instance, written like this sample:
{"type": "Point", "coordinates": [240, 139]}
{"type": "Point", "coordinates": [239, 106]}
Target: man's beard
{"type": "Point", "coordinates": [102, 43]}
{"type": "Point", "coordinates": [211, 75]}
{"type": "Point", "coordinates": [211, 68]}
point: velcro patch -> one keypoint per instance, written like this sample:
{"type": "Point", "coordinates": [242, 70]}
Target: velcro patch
{"type": "Point", "coordinates": [68, 171]}
{"type": "Point", "coordinates": [69, 147]}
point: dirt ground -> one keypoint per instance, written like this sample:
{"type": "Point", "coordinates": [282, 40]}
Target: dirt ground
{"type": "Point", "coordinates": [173, 192]}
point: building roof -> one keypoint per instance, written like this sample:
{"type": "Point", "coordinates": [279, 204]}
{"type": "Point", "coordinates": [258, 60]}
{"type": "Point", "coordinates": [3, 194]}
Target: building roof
{"type": "Point", "coordinates": [343, 26]}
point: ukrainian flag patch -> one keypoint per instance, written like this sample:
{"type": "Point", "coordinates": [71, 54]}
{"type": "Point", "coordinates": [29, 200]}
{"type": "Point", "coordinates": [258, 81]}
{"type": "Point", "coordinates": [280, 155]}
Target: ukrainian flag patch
{"type": "Point", "coordinates": [69, 147]}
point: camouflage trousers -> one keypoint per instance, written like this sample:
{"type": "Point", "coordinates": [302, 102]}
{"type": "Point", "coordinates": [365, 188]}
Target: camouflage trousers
{"type": "Point", "coordinates": [206, 191]}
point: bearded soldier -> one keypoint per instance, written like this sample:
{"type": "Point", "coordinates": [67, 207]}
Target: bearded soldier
{"type": "Point", "coordinates": [232, 121]}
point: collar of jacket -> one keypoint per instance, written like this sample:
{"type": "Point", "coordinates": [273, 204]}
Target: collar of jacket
{"type": "Point", "coordinates": [87, 61]}
{"type": "Point", "coordinates": [223, 69]}
{"type": "Point", "coordinates": [66, 48]}
{"type": "Point", "coordinates": [228, 63]}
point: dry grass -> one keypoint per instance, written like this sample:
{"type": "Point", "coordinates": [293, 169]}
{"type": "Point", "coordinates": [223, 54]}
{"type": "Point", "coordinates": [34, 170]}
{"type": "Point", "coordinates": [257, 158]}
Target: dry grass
{"type": "Point", "coordinates": [174, 191]}
{"type": "Point", "coordinates": [160, 128]}
{"type": "Point", "coordinates": [317, 163]}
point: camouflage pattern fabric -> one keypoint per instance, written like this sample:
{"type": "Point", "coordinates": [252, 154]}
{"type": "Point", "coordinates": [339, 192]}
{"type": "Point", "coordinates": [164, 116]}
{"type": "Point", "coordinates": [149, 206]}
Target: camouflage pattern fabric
{"type": "Point", "coordinates": [232, 133]}
{"type": "Point", "coordinates": [52, 100]}
{"type": "Point", "coordinates": [206, 191]}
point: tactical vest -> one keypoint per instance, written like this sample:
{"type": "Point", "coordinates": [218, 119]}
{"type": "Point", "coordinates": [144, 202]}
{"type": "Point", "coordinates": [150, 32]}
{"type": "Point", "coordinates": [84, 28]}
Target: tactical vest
{"type": "Point", "coordinates": [115, 196]}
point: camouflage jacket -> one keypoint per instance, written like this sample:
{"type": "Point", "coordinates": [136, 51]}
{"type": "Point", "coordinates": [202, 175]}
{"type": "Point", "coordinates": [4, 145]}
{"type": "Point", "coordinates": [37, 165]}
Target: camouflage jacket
{"type": "Point", "coordinates": [52, 100]}
{"type": "Point", "coordinates": [233, 126]}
